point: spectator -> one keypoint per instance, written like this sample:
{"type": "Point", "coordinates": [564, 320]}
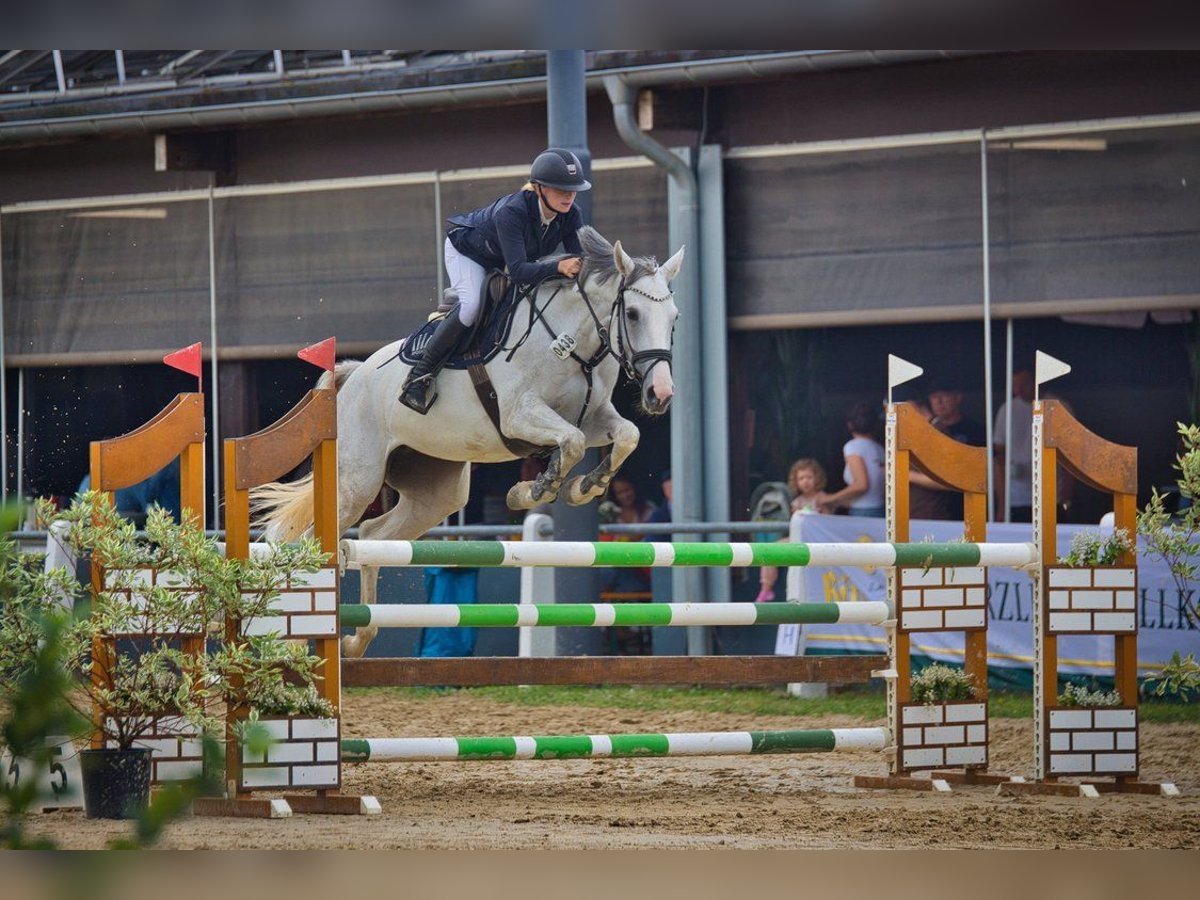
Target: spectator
{"type": "Point", "coordinates": [945, 402]}
{"type": "Point", "coordinates": [662, 514]}
{"type": "Point", "coordinates": [926, 498]}
{"type": "Point", "coordinates": [806, 479]}
{"type": "Point", "coordinates": [1014, 453]}
{"type": "Point", "coordinates": [863, 474]}
{"type": "Point", "coordinates": [625, 584]}
{"type": "Point", "coordinates": [160, 489]}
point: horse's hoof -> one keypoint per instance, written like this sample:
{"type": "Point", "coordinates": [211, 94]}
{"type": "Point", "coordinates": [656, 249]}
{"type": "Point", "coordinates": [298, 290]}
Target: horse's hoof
{"type": "Point", "coordinates": [519, 496]}
{"type": "Point", "coordinates": [576, 496]}
{"type": "Point", "coordinates": [351, 648]}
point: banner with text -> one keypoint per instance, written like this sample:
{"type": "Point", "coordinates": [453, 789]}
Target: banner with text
{"type": "Point", "coordinates": [1163, 626]}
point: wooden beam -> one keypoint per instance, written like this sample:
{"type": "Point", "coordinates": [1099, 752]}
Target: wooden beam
{"type": "Point", "coordinates": [479, 671]}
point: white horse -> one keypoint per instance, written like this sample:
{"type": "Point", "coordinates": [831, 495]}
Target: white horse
{"type": "Point", "coordinates": [554, 390]}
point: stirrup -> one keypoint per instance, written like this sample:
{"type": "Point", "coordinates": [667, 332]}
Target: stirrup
{"type": "Point", "coordinates": [423, 403]}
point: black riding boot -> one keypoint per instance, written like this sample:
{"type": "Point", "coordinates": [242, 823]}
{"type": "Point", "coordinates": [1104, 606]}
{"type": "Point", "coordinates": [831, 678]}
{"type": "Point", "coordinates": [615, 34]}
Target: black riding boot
{"type": "Point", "coordinates": [419, 393]}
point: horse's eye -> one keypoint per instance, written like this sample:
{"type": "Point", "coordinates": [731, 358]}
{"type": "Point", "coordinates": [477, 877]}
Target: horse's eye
{"type": "Point", "coordinates": [633, 315]}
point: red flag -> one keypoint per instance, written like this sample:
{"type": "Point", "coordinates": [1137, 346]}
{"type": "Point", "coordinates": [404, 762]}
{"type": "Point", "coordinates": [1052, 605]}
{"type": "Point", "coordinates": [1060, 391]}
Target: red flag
{"type": "Point", "coordinates": [185, 360]}
{"type": "Point", "coordinates": [321, 355]}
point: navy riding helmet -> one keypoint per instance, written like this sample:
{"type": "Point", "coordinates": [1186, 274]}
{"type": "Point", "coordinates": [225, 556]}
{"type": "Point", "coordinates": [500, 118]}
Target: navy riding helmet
{"type": "Point", "coordinates": [559, 169]}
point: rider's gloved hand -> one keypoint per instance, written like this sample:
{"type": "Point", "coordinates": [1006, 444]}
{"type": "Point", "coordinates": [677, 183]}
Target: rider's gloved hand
{"type": "Point", "coordinates": [570, 266]}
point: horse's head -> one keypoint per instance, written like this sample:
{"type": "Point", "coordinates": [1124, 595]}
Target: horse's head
{"type": "Point", "coordinates": [646, 315]}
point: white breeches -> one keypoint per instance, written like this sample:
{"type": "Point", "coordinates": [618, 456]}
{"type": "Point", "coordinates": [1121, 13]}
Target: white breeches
{"type": "Point", "coordinates": [466, 278]}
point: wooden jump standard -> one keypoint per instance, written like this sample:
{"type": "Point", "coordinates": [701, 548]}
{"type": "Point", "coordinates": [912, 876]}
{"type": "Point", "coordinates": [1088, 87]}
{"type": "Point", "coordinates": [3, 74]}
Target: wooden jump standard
{"type": "Point", "coordinates": [306, 756]}
{"type": "Point", "coordinates": [121, 462]}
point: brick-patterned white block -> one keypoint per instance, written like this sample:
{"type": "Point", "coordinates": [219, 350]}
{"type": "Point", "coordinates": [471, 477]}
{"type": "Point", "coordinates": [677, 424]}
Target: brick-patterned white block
{"type": "Point", "coordinates": [921, 577]}
{"type": "Point", "coordinates": [315, 728]}
{"type": "Point", "coordinates": [965, 575]}
{"type": "Point", "coordinates": [965, 712]}
{"type": "Point", "coordinates": [910, 599]}
{"type": "Point", "coordinates": [1116, 718]}
{"type": "Point", "coordinates": [919, 619]}
{"type": "Point", "coordinates": [925, 758]}
{"type": "Point", "coordinates": [945, 734]}
{"type": "Point", "coordinates": [266, 777]}
{"type": "Point", "coordinates": [327, 751]}
{"type": "Point", "coordinates": [314, 626]}
{"type": "Point", "coordinates": [1115, 577]}
{"type": "Point", "coordinates": [922, 715]}
{"type": "Point", "coordinates": [1115, 621]}
{"type": "Point", "coordinates": [1060, 599]}
{"type": "Point", "coordinates": [1093, 740]}
{"type": "Point", "coordinates": [966, 618]}
{"type": "Point", "coordinates": [966, 756]}
{"type": "Point", "coordinates": [293, 602]}
{"type": "Point", "coordinates": [325, 601]}
{"type": "Point", "coordinates": [322, 578]}
{"type": "Point", "coordinates": [291, 752]}
{"type": "Point", "coordinates": [942, 597]}
{"type": "Point", "coordinates": [314, 775]}
{"type": "Point", "coordinates": [1068, 621]}
{"type": "Point", "coordinates": [1065, 763]}
{"type": "Point", "coordinates": [265, 625]}
{"type": "Point", "coordinates": [1070, 719]}
{"type": "Point", "coordinates": [1065, 577]}
{"type": "Point", "coordinates": [1116, 762]}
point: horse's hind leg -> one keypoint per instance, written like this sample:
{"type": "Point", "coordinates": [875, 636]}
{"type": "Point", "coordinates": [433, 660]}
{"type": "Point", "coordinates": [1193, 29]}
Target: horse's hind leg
{"type": "Point", "coordinates": [606, 425]}
{"type": "Point", "coordinates": [428, 491]}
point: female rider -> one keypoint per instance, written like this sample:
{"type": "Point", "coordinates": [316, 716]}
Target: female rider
{"type": "Point", "coordinates": [513, 232]}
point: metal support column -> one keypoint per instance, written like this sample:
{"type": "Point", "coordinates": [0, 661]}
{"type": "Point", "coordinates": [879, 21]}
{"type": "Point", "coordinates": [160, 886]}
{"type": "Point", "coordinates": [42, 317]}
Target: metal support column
{"type": "Point", "coordinates": [566, 113]}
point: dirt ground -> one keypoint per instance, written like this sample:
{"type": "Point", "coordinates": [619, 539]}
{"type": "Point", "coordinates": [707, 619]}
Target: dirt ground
{"type": "Point", "coordinates": [780, 801]}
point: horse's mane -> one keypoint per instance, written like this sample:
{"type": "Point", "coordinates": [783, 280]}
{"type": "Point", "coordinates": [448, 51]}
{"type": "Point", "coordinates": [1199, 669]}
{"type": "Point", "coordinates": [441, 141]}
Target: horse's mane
{"type": "Point", "coordinates": [598, 259]}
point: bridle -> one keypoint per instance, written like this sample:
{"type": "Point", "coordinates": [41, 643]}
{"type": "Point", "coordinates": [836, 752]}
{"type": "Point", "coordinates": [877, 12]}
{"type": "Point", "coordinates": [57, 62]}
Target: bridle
{"type": "Point", "coordinates": [626, 355]}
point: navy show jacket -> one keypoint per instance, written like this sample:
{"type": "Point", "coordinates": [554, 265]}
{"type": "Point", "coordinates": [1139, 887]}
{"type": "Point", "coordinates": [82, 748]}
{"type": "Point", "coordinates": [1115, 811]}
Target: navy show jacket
{"type": "Point", "coordinates": [509, 233]}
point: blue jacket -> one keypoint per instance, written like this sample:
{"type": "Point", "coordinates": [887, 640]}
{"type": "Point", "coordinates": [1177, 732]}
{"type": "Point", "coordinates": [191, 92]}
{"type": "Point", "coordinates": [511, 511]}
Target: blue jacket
{"type": "Point", "coordinates": [509, 233]}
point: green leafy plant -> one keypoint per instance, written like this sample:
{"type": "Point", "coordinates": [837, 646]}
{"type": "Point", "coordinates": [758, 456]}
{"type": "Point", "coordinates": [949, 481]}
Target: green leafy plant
{"type": "Point", "coordinates": [1090, 548]}
{"type": "Point", "coordinates": [1173, 539]}
{"type": "Point", "coordinates": [939, 683]}
{"type": "Point", "coordinates": [1179, 678]}
{"type": "Point", "coordinates": [1075, 695]}
{"type": "Point", "coordinates": [131, 650]}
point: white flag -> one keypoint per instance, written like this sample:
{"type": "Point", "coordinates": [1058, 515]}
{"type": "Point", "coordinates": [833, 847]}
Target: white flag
{"type": "Point", "coordinates": [901, 371]}
{"type": "Point", "coordinates": [1047, 368]}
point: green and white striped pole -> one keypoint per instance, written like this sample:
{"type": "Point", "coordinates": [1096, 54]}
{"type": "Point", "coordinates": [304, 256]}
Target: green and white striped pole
{"type": "Point", "coordinates": [508, 615]}
{"type": "Point", "coordinates": [356, 554]}
{"type": "Point", "coordinates": [718, 743]}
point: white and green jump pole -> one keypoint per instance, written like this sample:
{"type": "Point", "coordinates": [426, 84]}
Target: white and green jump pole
{"type": "Point", "coordinates": [718, 743]}
{"type": "Point", "coordinates": [514, 615]}
{"type": "Point", "coordinates": [508, 554]}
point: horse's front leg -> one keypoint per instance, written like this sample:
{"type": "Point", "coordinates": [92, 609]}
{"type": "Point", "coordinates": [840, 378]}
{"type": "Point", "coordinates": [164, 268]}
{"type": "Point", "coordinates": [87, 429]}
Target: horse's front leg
{"type": "Point", "coordinates": [533, 421]}
{"type": "Point", "coordinates": [605, 427]}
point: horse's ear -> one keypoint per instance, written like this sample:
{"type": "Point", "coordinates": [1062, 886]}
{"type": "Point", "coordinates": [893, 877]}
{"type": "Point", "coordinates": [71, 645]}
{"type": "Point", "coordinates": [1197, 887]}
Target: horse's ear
{"type": "Point", "coordinates": [671, 267]}
{"type": "Point", "coordinates": [622, 259]}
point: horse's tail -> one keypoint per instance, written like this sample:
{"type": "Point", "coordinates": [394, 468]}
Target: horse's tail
{"type": "Point", "coordinates": [286, 510]}
{"type": "Point", "coordinates": [338, 376]}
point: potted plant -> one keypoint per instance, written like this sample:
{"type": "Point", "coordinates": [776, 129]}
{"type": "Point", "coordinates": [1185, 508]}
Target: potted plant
{"type": "Point", "coordinates": [153, 666]}
{"type": "Point", "coordinates": [944, 725]}
{"type": "Point", "coordinates": [1089, 590]}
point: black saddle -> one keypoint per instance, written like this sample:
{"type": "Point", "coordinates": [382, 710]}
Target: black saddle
{"type": "Point", "coordinates": [498, 303]}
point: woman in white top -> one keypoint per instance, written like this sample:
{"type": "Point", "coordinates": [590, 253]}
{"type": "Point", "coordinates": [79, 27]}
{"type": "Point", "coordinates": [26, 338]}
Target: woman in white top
{"type": "Point", "coordinates": [864, 475]}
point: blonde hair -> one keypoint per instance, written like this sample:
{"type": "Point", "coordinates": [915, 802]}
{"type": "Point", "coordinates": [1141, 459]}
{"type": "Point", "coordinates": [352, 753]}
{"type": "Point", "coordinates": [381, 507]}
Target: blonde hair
{"type": "Point", "coordinates": [813, 466]}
